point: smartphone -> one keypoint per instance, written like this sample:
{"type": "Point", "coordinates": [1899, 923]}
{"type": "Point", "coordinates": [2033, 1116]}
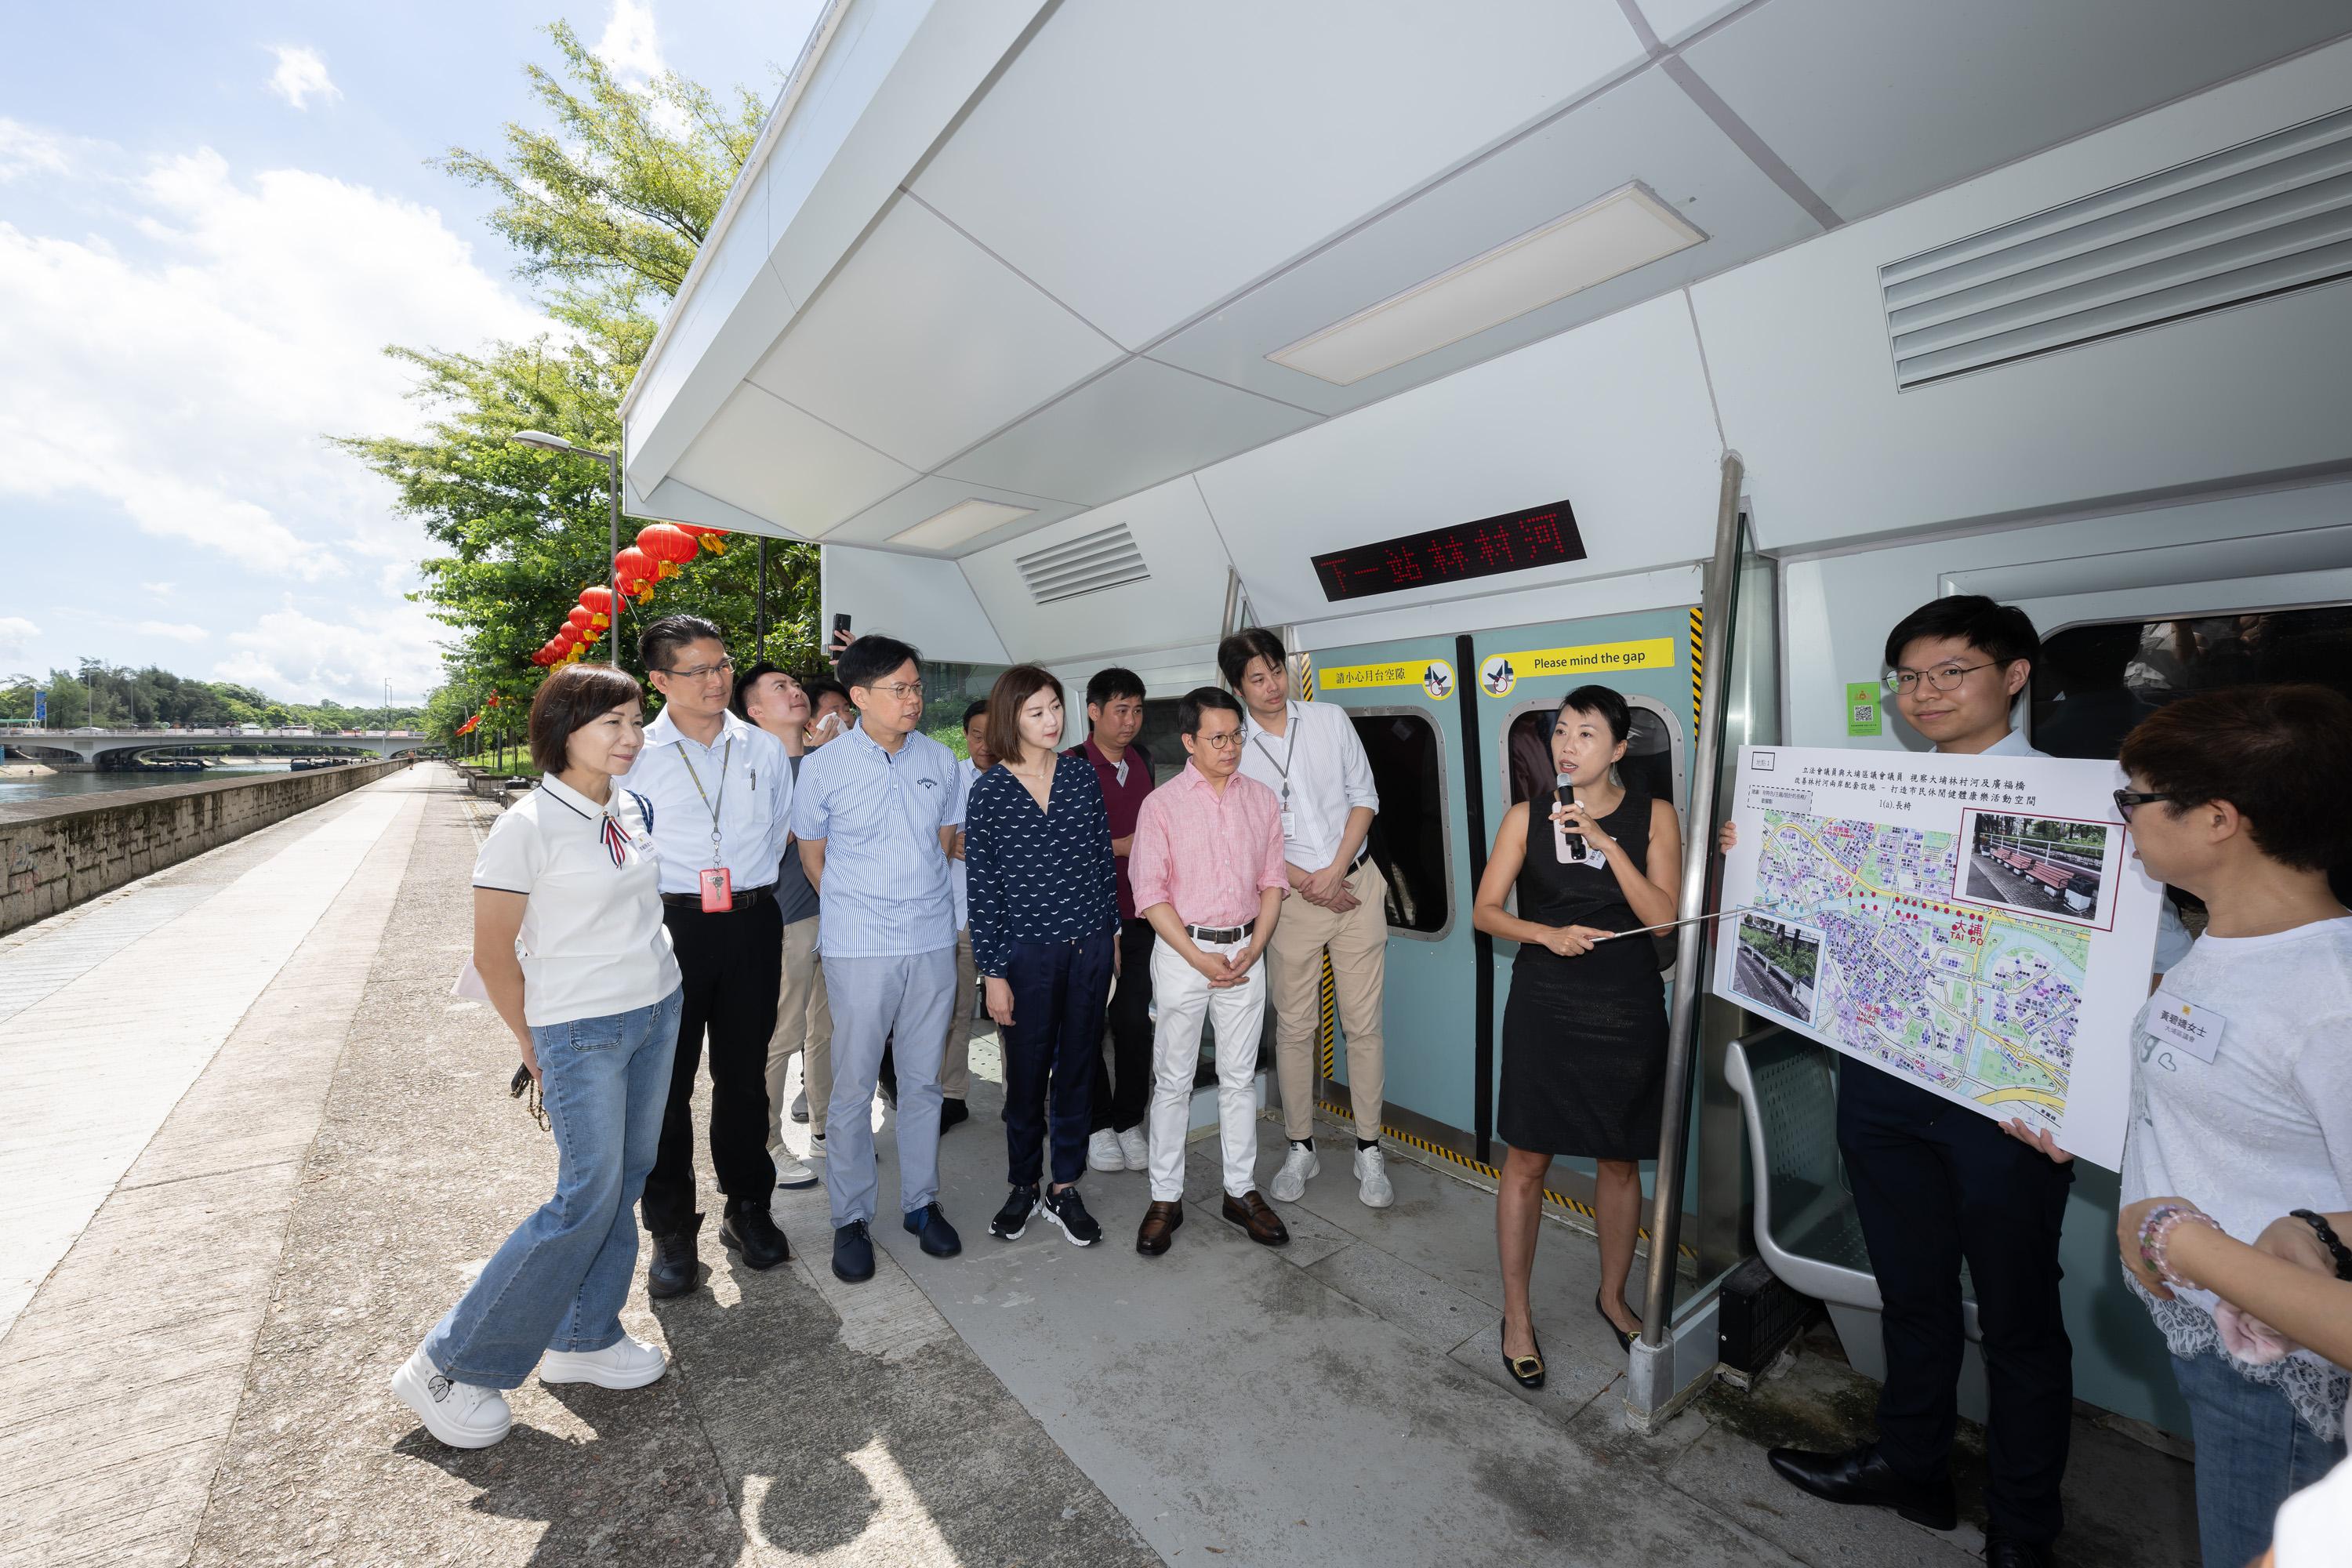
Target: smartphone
{"type": "Point", "coordinates": [840, 627]}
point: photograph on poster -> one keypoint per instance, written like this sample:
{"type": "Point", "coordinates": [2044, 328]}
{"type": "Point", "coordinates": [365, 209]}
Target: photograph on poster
{"type": "Point", "coordinates": [1776, 965]}
{"type": "Point", "coordinates": [2053, 866]}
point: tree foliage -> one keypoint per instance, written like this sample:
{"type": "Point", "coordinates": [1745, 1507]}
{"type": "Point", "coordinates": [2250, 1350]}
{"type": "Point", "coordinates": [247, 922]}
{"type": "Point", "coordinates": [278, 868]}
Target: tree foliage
{"type": "Point", "coordinates": [605, 206]}
{"type": "Point", "coordinates": [114, 694]}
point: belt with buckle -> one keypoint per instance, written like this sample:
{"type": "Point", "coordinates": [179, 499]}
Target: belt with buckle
{"type": "Point", "coordinates": [1362, 855]}
{"type": "Point", "coordinates": [1220, 933]}
{"type": "Point", "coordinates": [744, 898]}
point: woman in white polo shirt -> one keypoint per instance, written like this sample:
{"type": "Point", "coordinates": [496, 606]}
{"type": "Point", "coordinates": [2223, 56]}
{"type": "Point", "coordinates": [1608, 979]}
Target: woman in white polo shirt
{"type": "Point", "coordinates": [569, 938]}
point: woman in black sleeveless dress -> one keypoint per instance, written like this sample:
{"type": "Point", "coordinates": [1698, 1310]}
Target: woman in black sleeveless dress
{"type": "Point", "coordinates": [1584, 1032]}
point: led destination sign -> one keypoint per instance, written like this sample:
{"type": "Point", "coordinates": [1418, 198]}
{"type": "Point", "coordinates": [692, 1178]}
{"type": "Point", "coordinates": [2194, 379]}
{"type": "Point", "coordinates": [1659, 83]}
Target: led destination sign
{"type": "Point", "coordinates": [1515, 542]}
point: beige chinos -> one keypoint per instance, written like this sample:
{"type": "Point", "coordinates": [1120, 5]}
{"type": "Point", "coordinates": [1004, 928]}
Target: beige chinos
{"type": "Point", "coordinates": [804, 1024]}
{"type": "Point", "coordinates": [1359, 945]}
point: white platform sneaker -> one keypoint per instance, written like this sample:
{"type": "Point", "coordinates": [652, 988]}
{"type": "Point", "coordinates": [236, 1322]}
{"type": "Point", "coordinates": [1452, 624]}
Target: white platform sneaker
{"type": "Point", "coordinates": [628, 1362]}
{"type": "Point", "coordinates": [1290, 1182]}
{"type": "Point", "coordinates": [1103, 1153]}
{"type": "Point", "coordinates": [1372, 1178]}
{"type": "Point", "coordinates": [1136, 1148]}
{"type": "Point", "coordinates": [791, 1173]}
{"type": "Point", "coordinates": [462, 1414]}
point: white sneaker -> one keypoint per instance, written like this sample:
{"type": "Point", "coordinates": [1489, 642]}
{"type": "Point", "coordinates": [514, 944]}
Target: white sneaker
{"type": "Point", "coordinates": [626, 1362]}
{"type": "Point", "coordinates": [1290, 1182]}
{"type": "Point", "coordinates": [791, 1173]}
{"type": "Point", "coordinates": [1372, 1178]}
{"type": "Point", "coordinates": [1103, 1151]}
{"type": "Point", "coordinates": [1136, 1148]}
{"type": "Point", "coordinates": [462, 1414]}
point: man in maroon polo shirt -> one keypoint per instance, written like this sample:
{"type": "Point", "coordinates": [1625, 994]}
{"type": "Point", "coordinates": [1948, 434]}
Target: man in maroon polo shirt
{"type": "Point", "coordinates": [1123, 1088]}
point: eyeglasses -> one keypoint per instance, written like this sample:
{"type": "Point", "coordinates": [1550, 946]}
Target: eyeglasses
{"type": "Point", "coordinates": [1944, 680]}
{"type": "Point", "coordinates": [2127, 798]}
{"type": "Point", "coordinates": [1230, 741]}
{"type": "Point", "coordinates": [899, 690]}
{"type": "Point", "coordinates": [704, 671]}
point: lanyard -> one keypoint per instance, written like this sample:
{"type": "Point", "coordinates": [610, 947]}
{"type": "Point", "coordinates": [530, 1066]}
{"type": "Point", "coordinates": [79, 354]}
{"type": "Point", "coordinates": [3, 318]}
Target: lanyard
{"type": "Point", "coordinates": [717, 859]}
{"type": "Point", "coordinates": [1289, 750]}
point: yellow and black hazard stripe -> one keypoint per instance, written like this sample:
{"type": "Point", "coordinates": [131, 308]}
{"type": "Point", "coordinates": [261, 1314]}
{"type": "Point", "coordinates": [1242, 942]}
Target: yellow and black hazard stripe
{"type": "Point", "coordinates": [1697, 660]}
{"type": "Point", "coordinates": [1327, 1027]}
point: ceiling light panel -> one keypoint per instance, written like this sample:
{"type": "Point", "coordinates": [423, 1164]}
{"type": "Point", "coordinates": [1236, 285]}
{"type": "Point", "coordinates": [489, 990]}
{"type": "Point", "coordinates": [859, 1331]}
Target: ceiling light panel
{"type": "Point", "coordinates": [965, 520]}
{"type": "Point", "coordinates": [1627, 228]}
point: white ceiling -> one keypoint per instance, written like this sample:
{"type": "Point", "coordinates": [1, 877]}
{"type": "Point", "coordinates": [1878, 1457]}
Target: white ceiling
{"type": "Point", "coordinates": [1070, 298]}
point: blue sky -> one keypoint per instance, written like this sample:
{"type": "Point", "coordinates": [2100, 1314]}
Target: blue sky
{"type": "Point", "coordinates": [212, 218]}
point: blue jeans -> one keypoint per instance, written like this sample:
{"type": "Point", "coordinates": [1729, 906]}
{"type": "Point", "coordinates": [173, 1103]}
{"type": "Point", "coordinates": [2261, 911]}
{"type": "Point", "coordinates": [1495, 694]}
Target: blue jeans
{"type": "Point", "coordinates": [2253, 1453]}
{"type": "Point", "coordinates": [912, 995]}
{"type": "Point", "coordinates": [559, 1280]}
{"type": "Point", "coordinates": [1056, 1038]}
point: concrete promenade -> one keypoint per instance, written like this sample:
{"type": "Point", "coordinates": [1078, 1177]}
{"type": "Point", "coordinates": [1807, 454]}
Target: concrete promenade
{"type": "Point", "coordinates": [232, 1217]}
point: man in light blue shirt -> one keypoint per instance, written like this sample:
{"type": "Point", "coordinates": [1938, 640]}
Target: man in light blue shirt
{"type": "Point", "coordinates": [877, 813]}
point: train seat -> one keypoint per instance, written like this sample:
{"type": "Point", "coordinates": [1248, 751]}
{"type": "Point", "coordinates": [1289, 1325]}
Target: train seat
{"type": "Point", "coordinates": [1807, 1229]}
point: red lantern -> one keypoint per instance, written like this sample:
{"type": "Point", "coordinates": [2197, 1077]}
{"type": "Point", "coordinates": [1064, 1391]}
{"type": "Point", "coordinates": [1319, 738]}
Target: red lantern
{"type": "Point", "coordinates": [598, 599]}
{"type": "Point", "coordinates": [580, 619]}
{"type": "Point", "coordinates": [668, 544]}
{"type": "Point", "coordinates": [636, 571]}
{"type": "Point", "coordinates": [711, 539]}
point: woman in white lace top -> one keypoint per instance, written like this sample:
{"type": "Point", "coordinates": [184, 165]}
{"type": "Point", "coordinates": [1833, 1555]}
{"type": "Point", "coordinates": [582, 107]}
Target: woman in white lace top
{"type": "Point", "coordinates": [2242, 1086]}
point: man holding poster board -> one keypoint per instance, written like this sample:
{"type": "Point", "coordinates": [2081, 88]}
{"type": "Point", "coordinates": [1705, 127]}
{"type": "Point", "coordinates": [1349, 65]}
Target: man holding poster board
{"type": "Point", "coordinates": [1971, 925]}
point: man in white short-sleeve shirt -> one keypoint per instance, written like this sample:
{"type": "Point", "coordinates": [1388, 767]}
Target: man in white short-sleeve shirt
{"type": "Point", "coordinates": [722, 793]}
{"type": "Point", "coordinates": [1307, 753]}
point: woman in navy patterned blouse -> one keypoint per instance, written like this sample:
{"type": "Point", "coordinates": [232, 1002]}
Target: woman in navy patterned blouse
{"type": "Point", "coordinates": [1045, 936]}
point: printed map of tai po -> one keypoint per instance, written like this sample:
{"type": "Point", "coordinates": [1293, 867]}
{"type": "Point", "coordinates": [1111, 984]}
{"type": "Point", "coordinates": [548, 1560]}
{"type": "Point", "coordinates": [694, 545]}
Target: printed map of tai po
{"type": "Point", "coordinates": [1979, 1002]}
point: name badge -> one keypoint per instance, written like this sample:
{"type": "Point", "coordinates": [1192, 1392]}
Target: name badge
{"type": "Point", "coordinates": [1290, 825]}
{"type": "Point", "coordinates": [2197, 1030]}
{"type": "Point", "coordinates": [717, 890]}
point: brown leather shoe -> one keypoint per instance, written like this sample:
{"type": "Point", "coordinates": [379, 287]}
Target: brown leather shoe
{"type": "Point", "coordinates": [1251, 1213]}
{"type": "Point", "coordinates": [1159, 1229]}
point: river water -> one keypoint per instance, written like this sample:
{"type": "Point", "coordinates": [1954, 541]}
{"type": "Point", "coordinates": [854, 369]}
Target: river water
{"type": "Point", "coordinates": [13, 789]}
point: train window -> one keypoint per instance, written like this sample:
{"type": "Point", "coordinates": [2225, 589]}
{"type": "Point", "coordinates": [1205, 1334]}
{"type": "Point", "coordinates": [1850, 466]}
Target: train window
{"type": "Point", "coordinates": [947, 690]}
{"type": "Point", "coordinates": [1650, 764]}
{"type": "Point", "coordinates": [2094, 682]}
{"type": "Point", "coordinates": [1408, 837]}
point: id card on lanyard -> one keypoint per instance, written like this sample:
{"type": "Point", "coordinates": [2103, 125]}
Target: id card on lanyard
{"type": "Point", "coordinates": [717, 882]}
{"type": "Point", "coordinates": [1289, 750]}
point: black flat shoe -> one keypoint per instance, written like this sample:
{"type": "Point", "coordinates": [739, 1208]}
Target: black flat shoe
{"type": "Point", "coordinates": [1858, 1475]}
{"type": "Point", "coordinates": [1520, 1366]}
{"type": "Point", "coordinates": [1624, 1340]}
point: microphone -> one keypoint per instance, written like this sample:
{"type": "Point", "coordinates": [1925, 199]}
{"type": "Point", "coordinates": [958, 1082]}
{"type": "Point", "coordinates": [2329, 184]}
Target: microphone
{"type": "Point", "coordinates": [1563, 792]}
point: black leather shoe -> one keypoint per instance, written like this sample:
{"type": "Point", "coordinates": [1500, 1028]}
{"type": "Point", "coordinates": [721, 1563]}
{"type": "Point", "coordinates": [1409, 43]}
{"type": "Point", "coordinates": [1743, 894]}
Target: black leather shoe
{"type": "Point", "coordinates": [2009, 1551]}
{"type": "Point", "coordinates": [1860, 1476]}
{"type": "Point", "coordinates": [752, 1232]}
{"type": "Point", "coordinates": [672, 1270]}
{"type": "Point", "coordinates": [853, 1253]}
{"type": "Point", "coordinates": [929, 1226]}
{"type": "Point", "coordinates": [952, 1111]}
{"type": "Point", "coordinates": [1526, 1370]}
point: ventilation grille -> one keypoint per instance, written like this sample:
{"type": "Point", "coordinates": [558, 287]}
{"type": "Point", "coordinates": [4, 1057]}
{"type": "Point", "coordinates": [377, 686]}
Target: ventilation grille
{"type": "Point", "coordinates": [2268, 218]}
{"type": "Point", "coordinates": [1086, 565]}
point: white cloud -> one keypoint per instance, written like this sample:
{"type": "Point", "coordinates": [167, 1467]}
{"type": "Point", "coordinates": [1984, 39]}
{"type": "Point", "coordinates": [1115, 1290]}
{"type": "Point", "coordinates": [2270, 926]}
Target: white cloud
{"type": "Point", "coordinates": [292, 654]}
{"type": "Point", "coordinates": [300, 76]}
{"type": "Point", "coordinates": [25, 150]}
{"type": "Point", "coordinates": [631, 44]}
{"type": "Point", "coordinates": [189, 381]}
{"type": "Point", "coordinates": [16, 635]}
{"type": "Point", "coordinates": [161, 590]}
{"type": "Point", "coordinates": [178, 631]}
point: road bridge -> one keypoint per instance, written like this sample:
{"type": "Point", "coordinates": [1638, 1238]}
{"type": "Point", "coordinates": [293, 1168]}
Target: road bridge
{"type": "Point", "coordinates": [104, 748]}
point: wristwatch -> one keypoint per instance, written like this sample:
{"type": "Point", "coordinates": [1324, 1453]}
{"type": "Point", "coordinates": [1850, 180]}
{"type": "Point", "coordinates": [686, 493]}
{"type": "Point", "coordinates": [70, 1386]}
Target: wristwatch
{"type": "Point", "coordinates": [2328, 1240]}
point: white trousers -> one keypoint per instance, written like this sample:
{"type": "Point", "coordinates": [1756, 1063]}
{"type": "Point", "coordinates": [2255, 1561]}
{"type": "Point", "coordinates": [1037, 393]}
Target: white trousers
{"type": "Point", "coordinates": [1183, 997]}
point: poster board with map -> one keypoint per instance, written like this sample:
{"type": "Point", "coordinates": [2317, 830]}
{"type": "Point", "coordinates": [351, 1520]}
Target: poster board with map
{"type": "Point", "coordinates": [1973, 925]}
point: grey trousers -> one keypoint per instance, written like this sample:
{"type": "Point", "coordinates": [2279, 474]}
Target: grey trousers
{"type": "Point", "coordinates": [871, 998]}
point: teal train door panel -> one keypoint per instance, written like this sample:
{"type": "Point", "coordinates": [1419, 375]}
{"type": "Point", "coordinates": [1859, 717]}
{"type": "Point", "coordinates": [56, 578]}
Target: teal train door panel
{"type": "Point", "coordinates": [1406, 697]}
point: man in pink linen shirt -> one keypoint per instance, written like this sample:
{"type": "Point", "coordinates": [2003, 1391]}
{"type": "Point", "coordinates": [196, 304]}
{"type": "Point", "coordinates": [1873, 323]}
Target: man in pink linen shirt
{"type": "Point", "coordinates": [1207, 874]}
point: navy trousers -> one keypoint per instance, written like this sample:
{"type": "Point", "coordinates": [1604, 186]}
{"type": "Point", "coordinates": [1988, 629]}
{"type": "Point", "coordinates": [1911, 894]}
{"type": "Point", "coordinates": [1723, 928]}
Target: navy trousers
{"type": "Point", "coordinates": [1936, 1182]}
{"type": "Point", "coordinates": [1123, 1088]}
{"type": "Point", "coordinates": [1053, 1050]}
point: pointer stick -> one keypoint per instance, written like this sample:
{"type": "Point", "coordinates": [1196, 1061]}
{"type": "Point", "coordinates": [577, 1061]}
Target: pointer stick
{"type": "Point", "coordinates": [1692, 920]}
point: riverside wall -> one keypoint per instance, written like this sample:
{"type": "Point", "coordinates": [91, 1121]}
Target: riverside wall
{"type": "Point", "coordinates": [57, 853]}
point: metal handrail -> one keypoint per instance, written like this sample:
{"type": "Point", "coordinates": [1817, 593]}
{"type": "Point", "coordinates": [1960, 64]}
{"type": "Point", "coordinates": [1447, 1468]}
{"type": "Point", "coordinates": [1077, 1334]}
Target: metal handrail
{"type": "Point", "coordinates": [1690, 987]}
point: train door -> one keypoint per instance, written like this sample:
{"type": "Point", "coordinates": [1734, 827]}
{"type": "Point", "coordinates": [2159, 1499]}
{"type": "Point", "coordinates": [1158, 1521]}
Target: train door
{"type": "Point", "coordinates": [1406, 697]}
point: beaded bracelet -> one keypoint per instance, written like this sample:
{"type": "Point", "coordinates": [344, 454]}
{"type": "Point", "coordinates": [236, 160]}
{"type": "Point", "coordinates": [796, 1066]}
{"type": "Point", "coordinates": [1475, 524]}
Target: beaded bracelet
{"type": "Point", "coordinates": [2156, 1234]}
{"type": "Point", "coordinates": [2328, 1239]}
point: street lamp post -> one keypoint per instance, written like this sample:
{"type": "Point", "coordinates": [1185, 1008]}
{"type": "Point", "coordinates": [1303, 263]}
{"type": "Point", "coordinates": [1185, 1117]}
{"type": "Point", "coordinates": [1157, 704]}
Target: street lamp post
{"type": "Point", "coordinates": [612, 461]}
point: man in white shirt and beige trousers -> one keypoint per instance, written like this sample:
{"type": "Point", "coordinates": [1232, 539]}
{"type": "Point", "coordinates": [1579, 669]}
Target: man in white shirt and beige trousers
{"type": "Point", "coordinates": [1307, 753]}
